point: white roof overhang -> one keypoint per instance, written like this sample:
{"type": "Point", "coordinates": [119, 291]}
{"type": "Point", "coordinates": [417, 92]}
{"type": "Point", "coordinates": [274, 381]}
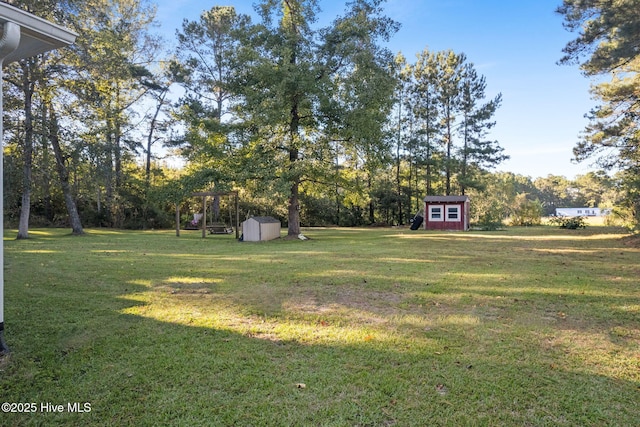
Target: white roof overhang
{"type": "Point", "coordinates": [37, 35]}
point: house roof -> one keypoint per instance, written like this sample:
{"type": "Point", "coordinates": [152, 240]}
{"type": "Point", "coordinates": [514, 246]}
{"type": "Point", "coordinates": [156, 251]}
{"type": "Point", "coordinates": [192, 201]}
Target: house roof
{"type": "Point", "coordinates": [445, 199]}
{"type": "Point", "coordinates": [582, 208]}
{"type": "Point", "coordinates": [265, 219]}
{"type": "Point", "coordinates": [37, 35]}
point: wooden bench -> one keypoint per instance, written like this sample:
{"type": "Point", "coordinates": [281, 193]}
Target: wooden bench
{"type": "Point", "coordinates": [219, 228]}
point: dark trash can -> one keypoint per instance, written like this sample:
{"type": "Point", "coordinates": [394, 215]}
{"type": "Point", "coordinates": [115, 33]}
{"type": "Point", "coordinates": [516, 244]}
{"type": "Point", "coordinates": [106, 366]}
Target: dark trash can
{"type": "Point", "coordinates": [417, 222]}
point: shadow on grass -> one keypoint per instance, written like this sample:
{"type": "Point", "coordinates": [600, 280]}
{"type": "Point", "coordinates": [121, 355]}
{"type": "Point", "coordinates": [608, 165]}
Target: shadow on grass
{"type": "Point", "coordinates": [139, 371]}
{"type": "Point", "coordinates": [151, 334]}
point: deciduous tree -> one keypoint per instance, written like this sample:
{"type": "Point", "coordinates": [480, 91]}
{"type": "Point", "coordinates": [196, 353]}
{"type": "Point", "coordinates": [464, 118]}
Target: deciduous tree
{"type": "Point", "coordinates": [111, 61]}
{"type": "Point", "coordinates": [308, 90]}
{"type": "Point", "coordinates": [30, 76]}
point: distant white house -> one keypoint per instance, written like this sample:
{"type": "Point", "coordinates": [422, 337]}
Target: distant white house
{"type": "Point", "coordinates": [582, 212]}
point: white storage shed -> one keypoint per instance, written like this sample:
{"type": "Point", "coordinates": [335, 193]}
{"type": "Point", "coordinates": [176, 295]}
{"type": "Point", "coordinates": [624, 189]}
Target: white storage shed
{"type": "Point", "coordinates": [259, 228]}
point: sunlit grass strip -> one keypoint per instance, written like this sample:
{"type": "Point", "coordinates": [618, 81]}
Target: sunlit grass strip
{"type": "Point", "coordinates": [332, 325]}
{"type": "Point", "coordinates": [601, 353]}
{"type": "Point", "coordinates": [533, 235]}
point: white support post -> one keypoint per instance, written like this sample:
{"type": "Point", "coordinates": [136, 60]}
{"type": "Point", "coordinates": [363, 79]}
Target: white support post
{"type": "Point", "coordinates": [8, 43]}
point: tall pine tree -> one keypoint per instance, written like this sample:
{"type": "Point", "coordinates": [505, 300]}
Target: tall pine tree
{"type": "Point", "coordinates": [607, 44]}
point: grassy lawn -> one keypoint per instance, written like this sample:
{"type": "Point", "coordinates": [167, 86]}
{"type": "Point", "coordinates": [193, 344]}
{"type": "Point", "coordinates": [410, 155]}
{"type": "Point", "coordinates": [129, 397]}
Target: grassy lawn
{"type": "Point", "coordinates": [355, 327]}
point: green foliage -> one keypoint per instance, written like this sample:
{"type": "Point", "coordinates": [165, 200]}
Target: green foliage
{"type": "Point", "coordinates": [208, 63]}
{"type": "Point", "coordinates": [607, 31]}
{"type": "Point", "coordinates": [607, 43]}
{"type": "Point", "coordinates": [441, 121]}
{"type": "Point", "coordinates": [492, 204]}
{"type": "Point", "coordinates": [627, 209]}
{"type": "Point", "coordinates": [491, 217]}
{"type": "Point", "coordinates": [299, 97]}
{"type": "Point", "coordinates": [555, 192]}
{"type": "Point", "coordinates": [271, 107]}
{"type": "Point", "coordinates": [568, 222]}
{"type": "Point", "coordinates": [526, 212]}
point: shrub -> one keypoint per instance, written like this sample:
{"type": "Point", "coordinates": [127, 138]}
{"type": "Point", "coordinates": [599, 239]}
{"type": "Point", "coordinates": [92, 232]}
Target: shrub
{"type": "Point", "coordinates": [569, 222]}
{"type": "Point", "coordinates": [526, 212]}
{"type": "Point", "coordinates": [491, 217]}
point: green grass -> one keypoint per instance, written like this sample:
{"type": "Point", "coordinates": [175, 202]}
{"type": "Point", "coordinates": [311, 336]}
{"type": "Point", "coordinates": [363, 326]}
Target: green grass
{"type": "Point", "coordinates": [355, 327]}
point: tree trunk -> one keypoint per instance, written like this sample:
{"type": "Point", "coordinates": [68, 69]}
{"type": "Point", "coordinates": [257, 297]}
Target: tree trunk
{"type": "Point", "coordinates": [294, 210]}
{"type": "Point", "coordinates": [294, 200]}
{"type": "Point", "coordinates": [428, 172]}
{"type": "Point", "coordinates": [463, 176]}
{"type": "Point", "coordinates": [108, 179]}
{"type": "Point", "coordinates": [178, 219]}
{"type": "Point", "coordinates": [150, 137]}
{"type": "Point", "coordinates": [294, 156]}
{"type": "Point", "coordinates": [398, 146]}
{"type": "Point", "coordinates": [117, 206]}
{"type": "Point", "coordinates": [46, 178]}
{"type": "Point", "coordinates": [372, 206]}
{"type": "Point", "coordinates": [337, 217]}
{"type": "Point", "coordinates": [25, 209]}
{"type": "Point", "coordinates": [465, 156]}
{"type": "Point", "coordinates": [294, 122]}
{"type": "Point", "coordinates": [215, 208]}
{"type": "Point", "coordinates": [448, 159]}
{"type": "Point", "coordinates": [63, 173]}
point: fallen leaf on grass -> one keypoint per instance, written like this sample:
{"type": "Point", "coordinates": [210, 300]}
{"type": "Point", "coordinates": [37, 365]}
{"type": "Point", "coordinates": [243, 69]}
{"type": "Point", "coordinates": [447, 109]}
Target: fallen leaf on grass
{"type": "Point", "coordinates": [441, 389]}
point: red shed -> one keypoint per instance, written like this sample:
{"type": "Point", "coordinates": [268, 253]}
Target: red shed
{"type": "Point", "coordinates": [446, 213]}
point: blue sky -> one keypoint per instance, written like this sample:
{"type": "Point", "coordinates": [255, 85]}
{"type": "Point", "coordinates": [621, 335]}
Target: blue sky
{"type": "Point", "coordinates": [514, 44]}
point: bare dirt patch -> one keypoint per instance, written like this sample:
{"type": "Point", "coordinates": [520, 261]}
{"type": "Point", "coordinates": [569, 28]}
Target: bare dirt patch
{"type": "Point", "coordinates": [331, 299]}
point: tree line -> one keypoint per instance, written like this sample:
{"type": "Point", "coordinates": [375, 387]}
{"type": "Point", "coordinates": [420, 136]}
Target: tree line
{"type": "Point", "coordinates": [314, 125]}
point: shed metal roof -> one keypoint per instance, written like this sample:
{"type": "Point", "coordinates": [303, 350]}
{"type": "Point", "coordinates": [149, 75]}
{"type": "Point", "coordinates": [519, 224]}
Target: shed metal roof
{"type": "Point", "coordinates": [445, 199]}
{"type": "Point", "coordinates": [265, 219]}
